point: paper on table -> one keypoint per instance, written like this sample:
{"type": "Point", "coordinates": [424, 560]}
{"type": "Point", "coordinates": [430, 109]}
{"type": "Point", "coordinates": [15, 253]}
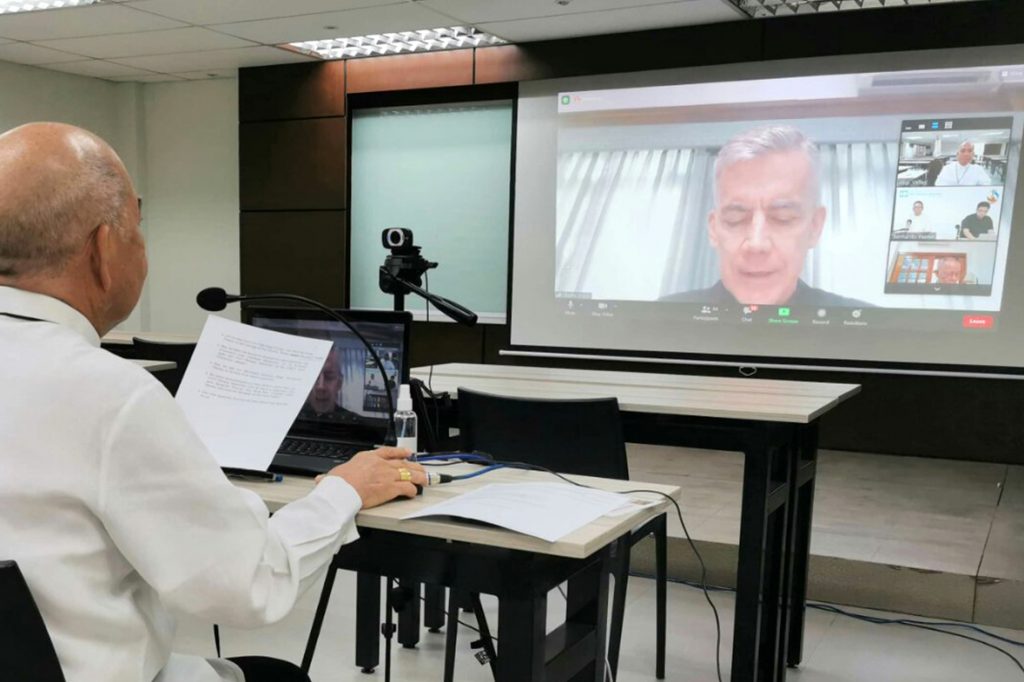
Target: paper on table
{"type": "Point", "coordinates": [244, 386]}
{"type": "Point", "coordinates": [548, 511]}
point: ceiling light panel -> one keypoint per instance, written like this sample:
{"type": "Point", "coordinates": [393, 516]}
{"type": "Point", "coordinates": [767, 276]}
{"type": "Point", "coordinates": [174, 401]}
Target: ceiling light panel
{"type": "Point", "coordinates": [12, 6]}
{"type": "Point", "coordinates": [784, 8]}
{"type": "Point", "coordinates": [423, 40]}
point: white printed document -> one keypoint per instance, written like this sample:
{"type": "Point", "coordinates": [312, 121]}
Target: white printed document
{"type": "Point", "coordinates": [244, 387]}
{"type": "Point", "coordinates": [548, 511]}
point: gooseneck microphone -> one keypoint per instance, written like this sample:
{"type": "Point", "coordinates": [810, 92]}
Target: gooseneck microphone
{"type": "Point", "coordinates": [215, 299]}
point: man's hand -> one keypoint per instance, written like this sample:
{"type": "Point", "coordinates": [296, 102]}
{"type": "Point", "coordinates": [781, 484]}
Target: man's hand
{"type": "Point", "coordinates": [377, 475]}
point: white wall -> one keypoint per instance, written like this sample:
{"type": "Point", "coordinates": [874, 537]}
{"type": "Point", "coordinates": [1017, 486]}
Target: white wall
{"type": "Point", "coordinates": [179, 141]}
{"type": "Point", "coordinates": [190, 200]}
{"type": "Point", "coordinates": [34, 94]}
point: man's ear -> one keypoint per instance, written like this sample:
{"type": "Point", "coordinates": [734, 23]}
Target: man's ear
{"type": "Point", "coordinates": [101, 256]}
{"type": "Point", "coordinates": [713, 229]}
{"type": "Point", "coordinates": [817, 225]}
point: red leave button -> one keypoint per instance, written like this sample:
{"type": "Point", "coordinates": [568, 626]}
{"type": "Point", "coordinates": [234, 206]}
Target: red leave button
{"type": "Point", "coordinates": [978, 321]}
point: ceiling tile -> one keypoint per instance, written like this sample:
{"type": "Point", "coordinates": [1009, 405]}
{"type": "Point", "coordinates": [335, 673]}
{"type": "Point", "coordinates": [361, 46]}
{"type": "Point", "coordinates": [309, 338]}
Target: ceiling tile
{"type": "Point", "coordinates": [686, 13]}
{"type": "Point", "coordinates": [25, 53]}
{"type": "Point", "coordinates": [97, 68]}
{"type": "Point", "coordinates": [147, 78]}
{"type": "Point", "coordinates": [356, 22]}
{"type": "Point", "coordinates": [192, 39]}
{"type": "Point", "coordinates": [92, 20]}
{"type": "Point", "coordinates": [207, 74]}
{"type": "Point", "coordinates": [205, 12]}
{"type": "Point", "coordinates": [214, 59]}
{"type": "Point", "coordinates": [476, 11]}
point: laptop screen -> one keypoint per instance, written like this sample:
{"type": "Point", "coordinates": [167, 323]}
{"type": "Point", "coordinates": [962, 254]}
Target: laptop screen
{"type": "Point", "coordinates": [349, 397]}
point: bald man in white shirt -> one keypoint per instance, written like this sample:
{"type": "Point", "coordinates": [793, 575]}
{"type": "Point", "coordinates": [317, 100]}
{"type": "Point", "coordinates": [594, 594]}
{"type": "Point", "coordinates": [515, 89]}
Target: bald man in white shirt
{"type": "Point", "coordinates": [112, 506]}
{"type": "Point", "coordinates": [962, 171]}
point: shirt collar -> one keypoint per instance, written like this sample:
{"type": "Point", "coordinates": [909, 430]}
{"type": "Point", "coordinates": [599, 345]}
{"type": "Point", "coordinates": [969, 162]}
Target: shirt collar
{"type": "Point", "coordinates": [43, 307]}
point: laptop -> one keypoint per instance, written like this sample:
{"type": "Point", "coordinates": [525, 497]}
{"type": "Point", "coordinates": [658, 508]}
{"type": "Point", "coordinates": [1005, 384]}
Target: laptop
{"type": "Point", "coordinates": [347, 409]}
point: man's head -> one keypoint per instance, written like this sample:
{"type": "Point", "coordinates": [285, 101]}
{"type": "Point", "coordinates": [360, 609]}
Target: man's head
{"type": "Point", "coordinates": [982, 209]}
{"type": "Point", "coordinates": [767, 213]}
{"type": "Point", "coordinates": [965, 154]}
{"type": "Point", "coordinates": [69, 221]}
{"type": "Point", "coordinates": [918, 207]}
{"type": "Point", "coordinates": [950, 270]}
{"type": "Point", "coordinates": [323, 398]}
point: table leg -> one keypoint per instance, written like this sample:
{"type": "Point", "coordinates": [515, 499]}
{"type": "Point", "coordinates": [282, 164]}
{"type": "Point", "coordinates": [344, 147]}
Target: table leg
{"type": "Point", "coordinates": [409, 615]}
{"type": "Point", "coordinates": [762, 556]}
{"type": "Point", "coordinates": [367, 621]}
{"type": "Point", "coordinates": [586, 605]}
{"type": "Point", "coordinates": [621, 571]}
{"type": "Point", "coordinates": [802, 502]}
{"type": "Point", "coordinates": [522, 623]}
{"type": "Point", "coordinates": [433, 607]}
{"type": "Point", "coordinates": [318, 619]}
{"type": "Point", "coordinates": [451, 635]}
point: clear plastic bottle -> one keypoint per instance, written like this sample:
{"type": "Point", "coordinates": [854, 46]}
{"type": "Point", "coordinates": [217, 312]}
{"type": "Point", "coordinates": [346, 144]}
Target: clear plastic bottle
{"type": "Point", "coordinates": [405, 420]}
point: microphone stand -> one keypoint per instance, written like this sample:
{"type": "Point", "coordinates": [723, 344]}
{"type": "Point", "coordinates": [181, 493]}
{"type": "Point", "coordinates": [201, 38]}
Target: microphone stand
{"type": "Point", "coordinates": [390, 437]}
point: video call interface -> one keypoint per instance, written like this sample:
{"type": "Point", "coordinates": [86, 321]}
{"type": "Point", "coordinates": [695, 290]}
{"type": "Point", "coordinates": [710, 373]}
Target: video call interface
{"type": "Point", "coordinates": [835, 200]}
{"type": "Point", "coordinates": [349, 391]}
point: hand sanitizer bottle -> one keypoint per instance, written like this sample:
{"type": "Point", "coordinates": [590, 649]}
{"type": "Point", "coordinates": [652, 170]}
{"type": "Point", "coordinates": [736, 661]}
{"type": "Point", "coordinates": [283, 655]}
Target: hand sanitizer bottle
{"type": "Point", "coordinates": [405, 420]}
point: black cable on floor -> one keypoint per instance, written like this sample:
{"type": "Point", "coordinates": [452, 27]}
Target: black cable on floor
{"type": "Point", "coordinates": [923, 625]}
{"type": "Point", "coordinates": [933, 626]}
{"type": "Point", "coordinates": [461, 622]}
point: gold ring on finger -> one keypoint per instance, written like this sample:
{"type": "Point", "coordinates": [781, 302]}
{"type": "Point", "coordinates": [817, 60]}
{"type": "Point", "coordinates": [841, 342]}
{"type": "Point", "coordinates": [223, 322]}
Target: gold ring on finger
{"type": "Point", "coordinates": [404, 475]}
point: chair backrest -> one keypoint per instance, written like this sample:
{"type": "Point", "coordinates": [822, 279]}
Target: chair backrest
{"type": "Point", "coordinates": [568, 436]}
{"type": "Point", "coordinates": [26, 652]}
{"type": "Point", "coordinates": [179, 353]}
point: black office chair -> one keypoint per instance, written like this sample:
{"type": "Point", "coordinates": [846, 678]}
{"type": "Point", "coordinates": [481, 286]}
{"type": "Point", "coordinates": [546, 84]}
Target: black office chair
{"type": "Point", "coordinates": [568, 436]}
{"type": "Point", "coordinates": [26, 651]}
{"type": "Point", "coordinates": [179, 353]}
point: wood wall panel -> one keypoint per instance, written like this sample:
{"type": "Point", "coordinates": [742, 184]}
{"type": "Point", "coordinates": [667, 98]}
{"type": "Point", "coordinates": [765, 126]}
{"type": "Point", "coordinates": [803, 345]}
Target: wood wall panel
{"type": "Point", "coordinates": [295, 252]}
{"type": "Point", "coordinates": [624, 52]}
{"type": "Point", "coordinates": [290, 91]}
{"type": "Point", "coordinates": [285, 165]}
{"type": "Point", "coordinates": [410, 71]}
{"type": "Point", "coordinates": [434, 343]}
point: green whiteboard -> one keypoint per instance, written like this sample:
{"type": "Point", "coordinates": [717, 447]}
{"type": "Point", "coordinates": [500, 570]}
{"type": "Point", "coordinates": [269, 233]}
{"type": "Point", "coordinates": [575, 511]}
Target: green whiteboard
{"type": "Point", "coordinates": [442, 171]}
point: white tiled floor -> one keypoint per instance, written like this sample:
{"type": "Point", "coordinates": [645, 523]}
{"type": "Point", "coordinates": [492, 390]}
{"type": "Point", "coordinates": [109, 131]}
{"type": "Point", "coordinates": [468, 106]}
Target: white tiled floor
{"type": "Point", "coordinates": [837, 649]}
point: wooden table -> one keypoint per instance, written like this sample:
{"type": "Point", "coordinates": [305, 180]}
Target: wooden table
{"type": "Point", "coordinates": [518, 569]}
{"type": "Point", "coordinates": [116, 338]}
{"type": "Point", "coordinates": [155, 365]}
{"type": "Point", "coordinates": [775, 425]}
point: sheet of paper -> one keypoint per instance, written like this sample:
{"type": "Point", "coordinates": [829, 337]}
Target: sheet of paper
{"type": "Point", "coordinates": [244, 387]}
{"type": "Point", "coordinates": [633, 505]}
{"type": "Point", "coordinates": [548, 511]}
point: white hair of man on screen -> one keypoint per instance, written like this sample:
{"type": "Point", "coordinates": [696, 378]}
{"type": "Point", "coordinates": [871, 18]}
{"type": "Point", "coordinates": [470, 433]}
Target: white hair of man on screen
{"type": "Point", "coordinates": [766, 140]}
{"type": "Point", "coordinates": [962, 170]}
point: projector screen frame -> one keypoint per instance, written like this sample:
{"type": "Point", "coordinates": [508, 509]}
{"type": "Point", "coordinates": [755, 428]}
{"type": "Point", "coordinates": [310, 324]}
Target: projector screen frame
{"type": "Point", "coordinates": [969, 57]}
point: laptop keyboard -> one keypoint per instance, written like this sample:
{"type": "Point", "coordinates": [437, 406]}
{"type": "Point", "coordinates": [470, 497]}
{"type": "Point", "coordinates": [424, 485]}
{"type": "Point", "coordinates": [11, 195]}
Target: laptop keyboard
{"type": "Point", "coordinates": [316, 448]}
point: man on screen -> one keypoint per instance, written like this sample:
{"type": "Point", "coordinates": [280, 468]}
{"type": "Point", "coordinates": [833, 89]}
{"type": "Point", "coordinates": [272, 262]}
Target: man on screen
{"type": "Point", "coordinates": [767, 216]}
{"type": "Point", "coordinates": [917, 223]}
{"type": "Point", "coordinates": [978, 223]}
{"type": "Point", "coordinates": [950, 271]}
{"type": "Point", "coordinates": [322, 401]}
{"type": "Point", "coordinates": [963, 171]}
